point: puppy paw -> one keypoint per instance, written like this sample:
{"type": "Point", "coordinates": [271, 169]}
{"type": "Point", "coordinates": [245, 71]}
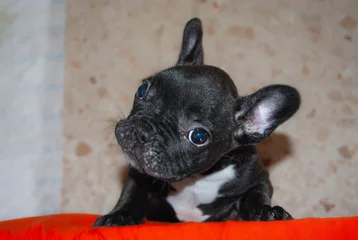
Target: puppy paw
{"type": "Point", "coordinates": [267, 213]}
{"type": "Point", "coordinates": [116, 219]}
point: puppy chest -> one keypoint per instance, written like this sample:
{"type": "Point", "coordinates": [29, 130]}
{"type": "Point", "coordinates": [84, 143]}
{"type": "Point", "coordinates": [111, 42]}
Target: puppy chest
{"type": "Point", "coordinates": [192, 192]}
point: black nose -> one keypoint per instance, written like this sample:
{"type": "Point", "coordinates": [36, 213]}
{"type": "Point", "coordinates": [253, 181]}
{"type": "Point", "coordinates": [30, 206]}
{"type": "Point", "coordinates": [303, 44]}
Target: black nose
{"type": "Point", "coordinates": [143, 132]}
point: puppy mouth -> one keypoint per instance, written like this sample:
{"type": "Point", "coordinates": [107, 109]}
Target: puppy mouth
{"type": "Point", "coordinates": [150, 159]}
{"type": "Point", "coordinates": [132, 161]}
{"type": "Point", "coordinates": [145, 150]}
{"type": "Point", "coordinates": [153, 164]}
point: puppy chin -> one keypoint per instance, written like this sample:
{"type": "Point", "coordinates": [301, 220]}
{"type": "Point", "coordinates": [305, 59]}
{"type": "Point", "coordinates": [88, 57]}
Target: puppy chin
{"type": "Point", "coordinates": [152, 170]}
{"type": "Point", "coordinates": [129, 157]}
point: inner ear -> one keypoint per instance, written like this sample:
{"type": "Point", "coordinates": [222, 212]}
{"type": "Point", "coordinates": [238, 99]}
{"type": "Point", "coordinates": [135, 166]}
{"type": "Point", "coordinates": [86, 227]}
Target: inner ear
{"type": "Point", "coordinates": [260, 113]}
{"type": "Point", "coordinates": [191, 52]}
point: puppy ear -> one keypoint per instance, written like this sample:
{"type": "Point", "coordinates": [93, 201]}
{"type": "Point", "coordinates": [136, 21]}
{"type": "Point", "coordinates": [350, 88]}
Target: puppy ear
{"type": "Point", "coordinates": [192, 48]}
{"type": "Point", "coordinates": [260, 113]}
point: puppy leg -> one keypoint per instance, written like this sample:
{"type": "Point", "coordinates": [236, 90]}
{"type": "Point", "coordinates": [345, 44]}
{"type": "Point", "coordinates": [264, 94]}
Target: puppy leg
{"type": "Point", "coordinates": [130, 208]}
{"type": "Point", "coordinates": [255, 205]}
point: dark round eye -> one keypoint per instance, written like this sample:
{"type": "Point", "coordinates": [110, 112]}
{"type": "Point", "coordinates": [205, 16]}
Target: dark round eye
{"type": "Point", "coordinates": [199, 137]}
{"type": "Point", "coordinates": [142, 91]}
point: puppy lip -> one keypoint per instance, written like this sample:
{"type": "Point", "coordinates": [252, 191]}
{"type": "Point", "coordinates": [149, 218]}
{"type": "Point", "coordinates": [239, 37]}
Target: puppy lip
{"type": "Point", "coordinates": [152, 173]}
{"type": "Point", "coordinates": [156, 174]}
{"type": "Point", "coordinates": [129, 158]}
{"type": "Point", "coordinates": [170, 179]}
{"type": "Point", "coordinates": [135, 155]}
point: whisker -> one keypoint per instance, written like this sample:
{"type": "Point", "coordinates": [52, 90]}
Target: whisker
{"type": "Point", "coordinates": [110, 115]}
{"type": "Point", "coordinates": [110, 128]}
{"type": "Point", "coordinates": [113, 140]}
{"type": "Point", "coordinates": [165, 184]}
{"type": "Point", "coordinates": [154, 180]}
{"type": "Point", "coordinates": [163, 187]}
{"type": "Point", "coordinates": [193, 196]}
{"type": "Point", "coordinates": [232, 158]}
{"type": "Point", "coordinates": [122, 115]}
{"type": "Point", "coordinates": [109, 131]}
{"type": "Point", "coordinates": [121, 112]}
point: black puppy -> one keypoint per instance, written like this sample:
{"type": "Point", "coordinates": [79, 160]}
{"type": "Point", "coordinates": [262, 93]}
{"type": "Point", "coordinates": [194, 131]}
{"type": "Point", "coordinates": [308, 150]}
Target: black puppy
{"type": "Point", "coordinates": [189, 141]}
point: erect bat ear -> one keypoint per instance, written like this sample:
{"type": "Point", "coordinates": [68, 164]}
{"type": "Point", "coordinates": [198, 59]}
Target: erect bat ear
{"type": "Point", "coordinates": [192, 48]}
{"type": "Point", "coordinates": [260, 113]}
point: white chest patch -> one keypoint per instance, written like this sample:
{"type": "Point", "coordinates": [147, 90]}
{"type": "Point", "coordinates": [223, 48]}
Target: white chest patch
{"type": "Point", "coordinates": [191, 192]}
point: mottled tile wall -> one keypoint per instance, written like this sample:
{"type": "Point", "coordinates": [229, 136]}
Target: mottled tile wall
{"type": "Point", "coordinates": [310, 44]}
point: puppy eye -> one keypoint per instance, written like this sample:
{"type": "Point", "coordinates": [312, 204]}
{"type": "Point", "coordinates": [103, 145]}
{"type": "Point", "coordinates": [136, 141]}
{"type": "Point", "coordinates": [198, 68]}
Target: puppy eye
{"type": "Point", "coordinates": [199, 137]}
{"type": "Point", "coordinates": [142, 91]}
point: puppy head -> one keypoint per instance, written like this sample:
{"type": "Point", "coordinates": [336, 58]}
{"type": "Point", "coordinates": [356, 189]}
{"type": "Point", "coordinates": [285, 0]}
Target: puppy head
{"type": "Point", "coordinates": [186, 117]}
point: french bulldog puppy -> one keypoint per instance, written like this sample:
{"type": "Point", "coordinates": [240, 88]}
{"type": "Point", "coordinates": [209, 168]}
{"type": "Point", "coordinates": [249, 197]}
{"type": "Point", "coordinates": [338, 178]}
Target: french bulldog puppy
{"type": "Point", "coordinates": [190, 142]}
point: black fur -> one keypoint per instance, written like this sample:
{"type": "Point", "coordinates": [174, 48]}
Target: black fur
{"type": "Point", "coordinates": [154, 138]}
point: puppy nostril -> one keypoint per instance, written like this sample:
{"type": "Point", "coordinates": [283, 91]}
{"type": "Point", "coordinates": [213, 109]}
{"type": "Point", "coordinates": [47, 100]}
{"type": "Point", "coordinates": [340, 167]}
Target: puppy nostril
{"type": "Point", "coordinates": [143, 138]}
{"type": "Point", "coordinates": [142, 135]}
{"type": "Point", "coordinates": [143, 131]}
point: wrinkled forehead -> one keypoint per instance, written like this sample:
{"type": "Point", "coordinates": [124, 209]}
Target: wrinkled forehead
{"type": "Point", "coordinates": [198, 82]}
{"type": "Point", "coordinates": [195, 92]}
{"type": "Point", "coordinates": [187, 89]}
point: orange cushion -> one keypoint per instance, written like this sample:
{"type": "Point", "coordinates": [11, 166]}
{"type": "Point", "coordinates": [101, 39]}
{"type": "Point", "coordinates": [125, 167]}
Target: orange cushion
{"type": "Point", "coordinates": [78, 226]}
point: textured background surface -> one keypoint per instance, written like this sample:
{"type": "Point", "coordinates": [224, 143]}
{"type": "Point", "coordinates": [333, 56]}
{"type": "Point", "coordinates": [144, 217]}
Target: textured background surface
{"type": "Point", "coordinates": [31, 99]}
{"type": "Point", "coordinates": [111, 45]}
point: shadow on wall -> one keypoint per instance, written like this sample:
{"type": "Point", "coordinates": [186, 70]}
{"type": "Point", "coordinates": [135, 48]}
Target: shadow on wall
{"type": "Point", "coordinates": [274, 149]}
{"type": "Point", "coordinates": [123, 174]}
